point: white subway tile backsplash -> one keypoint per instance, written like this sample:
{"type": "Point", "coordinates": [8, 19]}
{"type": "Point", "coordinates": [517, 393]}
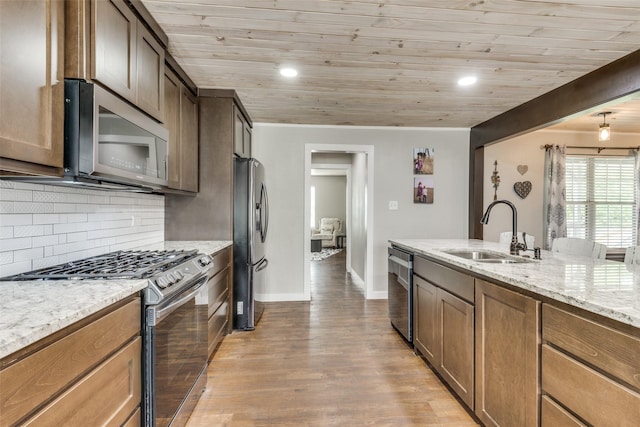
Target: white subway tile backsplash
{"type": "Point", "coordinates": [6, 207]}
{"type": "Point", "coordinates": [20, 207]}
{"type": "Point", "coordinates": [16, 195]}
{"type": "Point", "coordinates": [28, 254]}
{"type": "Point", "coordinates": [77, 237]}
{"type": "Point", "coordinates": [46, 218]}
{"type": "Point", "coordinates": [15, 268]}
{"type": "Point", "coordinates": [6, 232]}
{"type": "Point", "coordinates": [15, 219]}
{"type": "Point", "coordinates": [49, 240]}
{"type": "Point", "coordinates": [42, 225]}
{"type": "Point", "coordinates": [6, 257]}
{"type": "Point", "coordinates": [28, 230]}
{"type": "Point", "coordinates": [64, 207]}
{"type": "Point", "coordinates": [15, 244]}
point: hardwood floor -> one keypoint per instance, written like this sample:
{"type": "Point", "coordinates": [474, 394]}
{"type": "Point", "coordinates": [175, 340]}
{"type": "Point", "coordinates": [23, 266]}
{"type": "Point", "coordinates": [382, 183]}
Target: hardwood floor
{"type": "Point", "coordinates": [334, 361]}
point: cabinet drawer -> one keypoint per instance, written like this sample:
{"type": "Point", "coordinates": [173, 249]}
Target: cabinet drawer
{"type": "Point", "coordinates": [554, 415]}
{"type": "Point", "coordinates": [587, 393]}
{"type": "Point", "coordinates": [33, 380]}
{"type": "Point", "coordinates": [607, 349]}
{"type": "Point", "coordinates": [221, 260]}
{"type": "Point", "coordinates": [218, 326]}
{"type": "Point", "coordinates": [453, 281]}
{"type": "Point", "coordinates": [107, 396]}
{"type": "Point", "coordinates": [218, 290]}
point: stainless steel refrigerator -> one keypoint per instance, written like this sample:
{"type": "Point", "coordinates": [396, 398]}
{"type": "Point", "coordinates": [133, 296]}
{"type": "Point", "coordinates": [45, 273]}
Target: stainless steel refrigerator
{"type": "Point", "coordinates": [250, 224]}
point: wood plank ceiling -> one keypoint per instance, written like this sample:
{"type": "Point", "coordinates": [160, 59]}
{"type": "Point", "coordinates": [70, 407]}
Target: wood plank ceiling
{"type": "Point", "coordinates": [393, 62]}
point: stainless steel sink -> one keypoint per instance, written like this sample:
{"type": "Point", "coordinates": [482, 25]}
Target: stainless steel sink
{"type": "Point", "coordinates": [488, 257]}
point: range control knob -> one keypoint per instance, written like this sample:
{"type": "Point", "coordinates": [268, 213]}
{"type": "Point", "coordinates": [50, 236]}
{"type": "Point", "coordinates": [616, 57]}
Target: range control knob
{"type": "Point", "coordinates": [179, 275]}
{"type": "Point", "coordinates": [172, 278]}
{"type": "Point", "coordinates": [204, 261]}
{"type": "Point", "coordinates": [162, 282]}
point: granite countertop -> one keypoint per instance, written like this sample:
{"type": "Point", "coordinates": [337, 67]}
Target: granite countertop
{"type": "Point", "coordinates": [607, 288]}
{"type": "Point", "coordinates": [32, 310]}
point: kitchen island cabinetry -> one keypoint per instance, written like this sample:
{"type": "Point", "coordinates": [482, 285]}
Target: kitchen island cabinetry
{"type": "Point", "coordinates": [181, 119]}
{"type": "Point", "coordinates": [443, 324]}
{"type": "Point", "coordinates": [88, 373]}
{"type": "Point", "coordinates": [32, 82]}
{"type": "Point", "coordinates": [220, 299]}
{"type": "Point", "coordinates": [507, 348]}
{"type": "Point", "coordinates": [108, 43]}
{"type": "Point", "coordinates": [590, 369]}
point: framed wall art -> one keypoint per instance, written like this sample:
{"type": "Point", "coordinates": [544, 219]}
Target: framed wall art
{"type": "Point", "coordinates": [423, 187]}
{"type": "Point", "coordinates": [423, 161]}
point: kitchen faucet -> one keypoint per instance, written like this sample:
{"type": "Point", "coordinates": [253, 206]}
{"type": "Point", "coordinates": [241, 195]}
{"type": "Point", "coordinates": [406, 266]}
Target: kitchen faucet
{"type": "Point", "coordinates": [514, 247]}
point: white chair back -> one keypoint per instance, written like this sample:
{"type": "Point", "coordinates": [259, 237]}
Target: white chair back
{"type": "Point", "coordinates": [632, 255]}
{"type": "Point", "coordinates": [505, 238]}
{"type": "Point", "coordinates": [580, 247]}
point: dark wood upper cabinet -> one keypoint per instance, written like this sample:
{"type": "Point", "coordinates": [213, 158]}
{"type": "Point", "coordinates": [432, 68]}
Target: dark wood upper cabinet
{"type": "Point", "coordinates": [181, 119]}
{"type": "Point", "coordinates": [109, 44]}
{"type": "Point", "coordinates": [113, 44]}
{"type": "Point", "coordinates": [32, 87]}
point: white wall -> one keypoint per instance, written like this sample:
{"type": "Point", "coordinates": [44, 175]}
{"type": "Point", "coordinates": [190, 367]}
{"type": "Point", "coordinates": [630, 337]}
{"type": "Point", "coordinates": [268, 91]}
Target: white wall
{"type": "Point", "coordinates": [359, 224]}
{"type": "Point", "coordinates": [281, 148]}
{"type": "Point", "coordinates": [527, 150]}
{"type": "Point", "coordinates": [43, 225]}
{"type": "Point", "coordinates": [331, 198]}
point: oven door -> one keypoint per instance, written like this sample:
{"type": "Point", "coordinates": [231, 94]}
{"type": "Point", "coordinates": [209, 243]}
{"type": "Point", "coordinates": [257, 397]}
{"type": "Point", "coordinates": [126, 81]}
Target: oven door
{"type": "Point", "coordinates": [175, 355]}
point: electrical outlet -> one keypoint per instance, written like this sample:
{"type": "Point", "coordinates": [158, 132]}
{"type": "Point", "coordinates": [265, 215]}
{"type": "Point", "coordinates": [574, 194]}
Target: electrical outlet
{"type": "Point", "coordinates": [393, 205]}
{"type": "Point", "coordinates": [240, 306]}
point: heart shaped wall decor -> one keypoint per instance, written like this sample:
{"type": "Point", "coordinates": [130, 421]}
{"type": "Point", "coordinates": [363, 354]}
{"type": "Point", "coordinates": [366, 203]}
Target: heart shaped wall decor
{"type": "Point", "coordinates": [522, 169]}
{"type": "Point", "coordinates": [522, 189]}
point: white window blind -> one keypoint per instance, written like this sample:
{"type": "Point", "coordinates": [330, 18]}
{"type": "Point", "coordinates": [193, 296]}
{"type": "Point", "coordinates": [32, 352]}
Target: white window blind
{"type": "Point", "coordinates": [601, 199]}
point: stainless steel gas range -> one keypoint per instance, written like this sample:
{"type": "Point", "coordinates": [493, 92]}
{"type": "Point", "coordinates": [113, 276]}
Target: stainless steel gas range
{"type": "Point", "coordinates": [174, 322]}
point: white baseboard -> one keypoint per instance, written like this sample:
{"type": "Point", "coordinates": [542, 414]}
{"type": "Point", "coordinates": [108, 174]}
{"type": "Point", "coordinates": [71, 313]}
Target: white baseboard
{"type": "Point", "coordinates": [357, 280]}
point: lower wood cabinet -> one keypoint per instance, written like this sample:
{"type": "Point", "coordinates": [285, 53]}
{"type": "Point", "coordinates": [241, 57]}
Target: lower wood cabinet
{"type": "Point", "coordinates": [507, 356]}
{"type": "Point", "coordinates": [590, 369]}
{"type": "Point", "coordinates": [87, 374]}
{"type": "Point", "coordinates": [220, 300]}
{"type": "Point", "coordinates": [443, 326]}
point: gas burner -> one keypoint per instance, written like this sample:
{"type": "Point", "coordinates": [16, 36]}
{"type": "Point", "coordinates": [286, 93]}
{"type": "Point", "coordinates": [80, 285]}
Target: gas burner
{"type": "Point", "coordinates": [114, 265]}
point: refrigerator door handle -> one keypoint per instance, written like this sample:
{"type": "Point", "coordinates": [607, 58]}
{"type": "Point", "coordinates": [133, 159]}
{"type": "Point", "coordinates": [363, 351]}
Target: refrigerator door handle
{"type": "Point", "coordinates": [262, 265]}
{"type": "Point", "coordinates": [264, 213]}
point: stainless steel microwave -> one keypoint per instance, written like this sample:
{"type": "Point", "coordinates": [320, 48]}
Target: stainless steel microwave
{"type": "Point", "coordinates": [110, 143]}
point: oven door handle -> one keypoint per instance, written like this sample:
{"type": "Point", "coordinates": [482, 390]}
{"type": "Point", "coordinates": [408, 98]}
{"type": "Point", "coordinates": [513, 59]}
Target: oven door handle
{"type": "Point", "coordinates": [161, 313]}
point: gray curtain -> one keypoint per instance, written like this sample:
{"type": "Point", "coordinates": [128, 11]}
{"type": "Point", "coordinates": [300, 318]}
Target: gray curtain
{"type": "Point", "coordinates": [555, 201]}
{"type": "Point", "coordinates": [637, 170]}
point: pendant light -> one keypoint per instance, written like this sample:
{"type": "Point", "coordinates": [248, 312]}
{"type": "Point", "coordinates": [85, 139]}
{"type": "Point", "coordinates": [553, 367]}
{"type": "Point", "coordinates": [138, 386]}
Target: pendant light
{"type": "Point", "coordinates": [604, 133]}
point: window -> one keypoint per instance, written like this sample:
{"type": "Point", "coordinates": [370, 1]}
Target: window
{"type": "Point", "coordinates": [601, 202]}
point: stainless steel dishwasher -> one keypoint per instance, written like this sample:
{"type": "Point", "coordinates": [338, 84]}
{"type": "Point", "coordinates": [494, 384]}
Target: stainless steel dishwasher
{"type": "Point", "coordinates": [400, 291]}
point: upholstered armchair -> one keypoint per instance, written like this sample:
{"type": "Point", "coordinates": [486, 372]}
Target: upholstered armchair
{"type": "Point", "coordinates": [329, 229]}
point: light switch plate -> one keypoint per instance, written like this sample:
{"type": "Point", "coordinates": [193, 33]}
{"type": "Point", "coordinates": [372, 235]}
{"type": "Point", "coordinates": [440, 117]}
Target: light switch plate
{"type": "Point", "coordinates": [393, 205]}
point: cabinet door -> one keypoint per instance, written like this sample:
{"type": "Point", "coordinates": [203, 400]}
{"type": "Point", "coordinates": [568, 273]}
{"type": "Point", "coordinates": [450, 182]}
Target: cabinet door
{"type": "Point", "coordinates": [241, 134]}
{"type": "Point", "coordinates": [455, 319]}
{"type": "Point", "coordinates": [114, 40]}
{"type": "Point", "coordinates": [31, 85]}
{"type": "Point", "coordinates": [188, 140]}
{"type": "Point", "coordinates": [108, 395]}
{"type": "Point", "coordinates": [149, 73]}
{"type": "Point", "coordinates": [507, 357]}
{"type": "Point", "coordinates": [246, 139]}
{"type": "Point", "coordinates": [425, 324]}
{"type": "Point", "coordinates": [172, 123]}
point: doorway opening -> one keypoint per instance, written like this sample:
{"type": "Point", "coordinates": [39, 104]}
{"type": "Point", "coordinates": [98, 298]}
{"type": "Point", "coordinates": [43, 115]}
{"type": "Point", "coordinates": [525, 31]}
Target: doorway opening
{"type": "Point", "coordinates": [355, 164]}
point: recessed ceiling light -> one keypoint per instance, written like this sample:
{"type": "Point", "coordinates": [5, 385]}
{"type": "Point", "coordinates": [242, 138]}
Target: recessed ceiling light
{"type": "Point", "coordinates": [288, 72]}
{"type": "Point", "coordinates": [467, 81]}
